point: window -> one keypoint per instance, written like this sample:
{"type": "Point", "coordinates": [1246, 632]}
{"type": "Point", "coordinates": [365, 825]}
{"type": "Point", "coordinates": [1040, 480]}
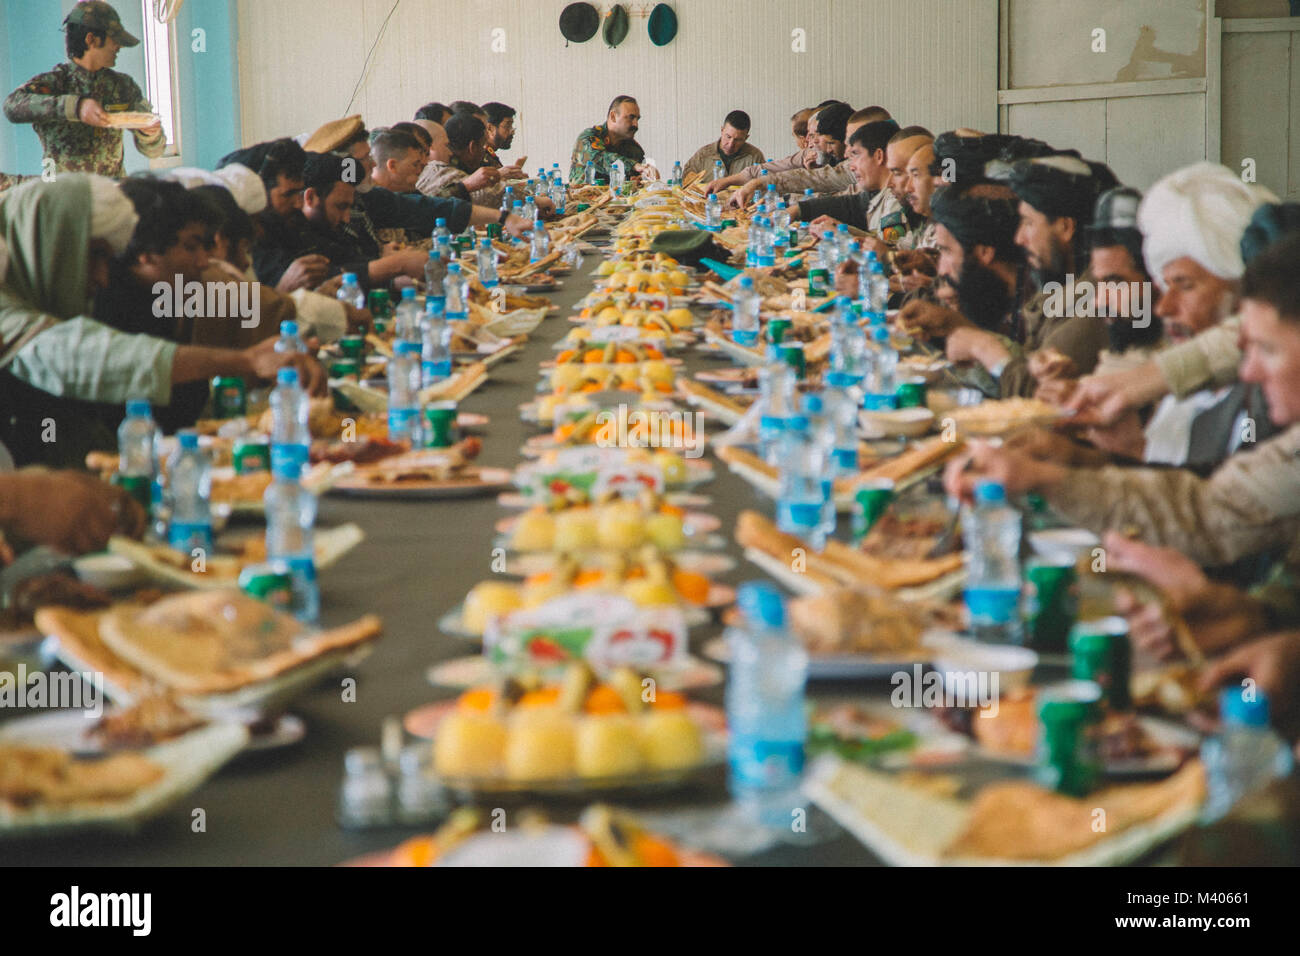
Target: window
{"type": "Point", "coordinates": [159, 46]}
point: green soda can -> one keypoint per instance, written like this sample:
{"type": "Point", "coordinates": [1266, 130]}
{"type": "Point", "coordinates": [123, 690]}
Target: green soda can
{"type": "Point", "coordinates": [381, 307]}
{"type": "Point", "coordinates": [139, 487]}
{"type": "Point", "coordinates": [1101, 652]}
{"type": "Point", "coordinates": [353, 346]}
{"type": "Point", "coordinates": [271, 582]}
{"type": "Point", "coordinates": [776, 329]}
{"type": "Point", "coordinates": [228, 397]}
{"type": "Point", "coordinates": [792, 354]}
{"type": "Point", "coordinates": [494, 230]}
{"type": "Point", "coordinates": [345, 368]}
{"type": "Point", "coordinates": [251, 454]}
{"type": "Point", "coordinates": [872, 499]}
{"type": "Point", "coordinates": [1067, 759]}
{"type": "Point", "coordinates": [1051, 603]}
{"type": "Point", "coordinates": [911, 393]}
{"type": "Point", "coordinates": [819, 282]}
{"type": "Point", "coordinates": [441, 419]}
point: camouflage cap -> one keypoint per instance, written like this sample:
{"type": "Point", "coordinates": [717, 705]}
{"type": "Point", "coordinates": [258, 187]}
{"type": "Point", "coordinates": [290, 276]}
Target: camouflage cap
{"type": "Point", "coordinates": [101, 17]}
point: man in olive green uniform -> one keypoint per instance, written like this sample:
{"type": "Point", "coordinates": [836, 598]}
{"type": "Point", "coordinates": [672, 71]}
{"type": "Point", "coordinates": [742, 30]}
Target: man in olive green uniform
{"type": "Point", "coordinates": [732, 148]}
{"type": "Point", "coordinates": [613, 140]}
{"type": "Point", "coordinates": [71, 105]}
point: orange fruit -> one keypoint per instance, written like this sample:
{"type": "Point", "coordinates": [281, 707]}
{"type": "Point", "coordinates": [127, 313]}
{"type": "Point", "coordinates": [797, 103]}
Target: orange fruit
{"type": "Point", "coordinates": [478, 699]}
{"type": "Point", "coordinates": [603, 699]}
{"type": "Point", "coordinates": [692, 587]}
{"type": "Point", "coordinates": [653, 851]}
{"type": "Point", "coordinates": [543, 697]}
{"type": "Point", "coordinates": [669, 700]}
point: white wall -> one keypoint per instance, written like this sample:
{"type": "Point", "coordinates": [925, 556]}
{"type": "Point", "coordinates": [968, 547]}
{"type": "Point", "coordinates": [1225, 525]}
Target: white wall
{"type": "Point", "coordinates": [932, 62]}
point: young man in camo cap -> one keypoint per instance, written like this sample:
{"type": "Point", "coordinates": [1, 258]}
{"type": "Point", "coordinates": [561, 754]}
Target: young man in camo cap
{"type": "Point", "coordinates": [71, 105]}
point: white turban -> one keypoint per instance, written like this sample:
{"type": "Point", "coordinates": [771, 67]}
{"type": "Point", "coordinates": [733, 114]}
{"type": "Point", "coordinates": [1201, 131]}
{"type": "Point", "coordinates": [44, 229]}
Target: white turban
{"type": "Point", "coordinates": [1198, 212]}
{"type": "Point", "coordinates": [112, 217]}
{"type": "Point", "coordinates": [244, 185]}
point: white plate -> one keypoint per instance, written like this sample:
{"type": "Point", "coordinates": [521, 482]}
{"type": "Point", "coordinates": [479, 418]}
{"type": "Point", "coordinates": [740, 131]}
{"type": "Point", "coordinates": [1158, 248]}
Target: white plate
{"type": "Point", "coordinates": [112, 572]}
{"type": "Point", "coordinates": [1069, 543]}
{"type": "Point", "coordinates": [186, 762]}
{"type": "Point", "coordinates": [826, 667]}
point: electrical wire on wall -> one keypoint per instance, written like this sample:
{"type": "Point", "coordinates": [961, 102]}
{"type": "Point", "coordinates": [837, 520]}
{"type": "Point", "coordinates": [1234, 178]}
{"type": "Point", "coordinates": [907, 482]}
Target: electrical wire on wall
{"type": "Point", "coordinates": [366, 65]}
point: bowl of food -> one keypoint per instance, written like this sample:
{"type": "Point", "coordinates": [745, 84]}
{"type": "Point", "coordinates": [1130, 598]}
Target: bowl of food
{"type": "Point", "coordinates": [956, 658]}
{"type": "Point", "coordinates": [111, 572]}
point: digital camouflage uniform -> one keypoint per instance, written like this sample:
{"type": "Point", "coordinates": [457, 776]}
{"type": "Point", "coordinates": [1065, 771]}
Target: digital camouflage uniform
{"type": "Point", "coordinates": [595, 145]}
{"type": "Point", "coordinates": [50, 101]}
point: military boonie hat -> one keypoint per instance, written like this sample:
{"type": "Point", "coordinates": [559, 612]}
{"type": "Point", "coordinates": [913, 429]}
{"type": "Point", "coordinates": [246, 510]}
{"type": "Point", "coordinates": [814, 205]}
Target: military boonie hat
{"type": "Point", "coordinates": [334, 134]}
{"type": "Point", "coordinates": [101, 17]}
{"type": "Point", "coordinates": [663, 24]}
{"type": "Point", "coordinates": [616, 25]}
{"type": "Point", "coordinates": [579, 22]}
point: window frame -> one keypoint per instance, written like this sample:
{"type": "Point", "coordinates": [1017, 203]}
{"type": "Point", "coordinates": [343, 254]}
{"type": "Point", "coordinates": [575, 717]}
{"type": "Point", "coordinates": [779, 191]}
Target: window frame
{"type": "Point", "coordinates": [158, 56]}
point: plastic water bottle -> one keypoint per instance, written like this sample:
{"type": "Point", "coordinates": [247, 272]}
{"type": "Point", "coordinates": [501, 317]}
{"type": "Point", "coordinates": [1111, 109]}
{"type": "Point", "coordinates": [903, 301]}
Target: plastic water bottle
{"type": "Point", "coordinates": [137, 441]}
{"type": "Point", "coordinates": [559, 193]}
{"type": "Point", "coordinates": [677, 173]}
{"type": "Point", "coordinates": [770, 199]}
{"type": "Point", "coordinates": [877, 290]}
{"type": "Point", "coordinates": [530, 204]}
{"type": "Point", "coordinates": [435, 271]}
{"type": "Point", "coordinates": [440, 232]}
{"type": "Point", "coordinates": [856, 257]}
{"type": "Point", "coordinates": [290, 436]}
{"type": "Point", "coordinates": [744, 314]}
{"type": "Point", "coordinates": [822, 434]}
{"type": "Point", "coordinates": [991, 536]}
{"type": "Point", "coordinates": [517, 209]}
{"type": "Point", "coordinates": [719, 170]}
{"type": "Point", "coordinates": [487, 264]}
{"type": "Point", "coordinates": [406, 321]}
{"type": "Point", "coordinates": [840, 410]}
{"type": "Point", "coordinates": [776, 403]}
{"type": "Point", "coordinates": [190, 478]}
{"type": "Point", "coordinates": [764, 251]}
{"type": "Point", "coordinates": [457, 288]}
{"type": "Point", "coordinates": [842, 240]}
{"type": "Point", "coordinates": [826, 253]}
{"type": "Point", "coordinates": [713, 213]}
{"type": "Point", "coordinates": [781, 229]}
{"type": "Point", "coordinates": [766, 718]}
{"type": "Point", "coordinates": [805, 220]}
{"type": "Point", "coordinates": [508, 199]}
{"type": "Point", "coordinates": [617, 177]}
{"type": "Point", "coordinates": [540, 245]}
{"type": "Point", "coordinates": [800, 499]}
{"type": "Point", "coordinates": [350, 291]}
{"type": "Point", "coordinates": [290, 518]}
{"type": "Point", "coordinates": [848, 348]}
{"type": "Point", "coordinates": [290, 340]}
{"type": "Point", "coordinates": [882, 383]}
{"type": "Point", "coordinates": [1245, 756]}
{"type": "Point", "coordinates": [435, 353]}
{"type": "Point", "coordinates": [404, 376]}
{"type": "Point", "coordinates": [589, 174]}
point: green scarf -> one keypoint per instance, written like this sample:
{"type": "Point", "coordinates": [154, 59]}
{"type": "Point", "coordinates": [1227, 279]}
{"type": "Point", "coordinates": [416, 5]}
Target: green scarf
{"type": "Point", "coordinates": [46, 227]}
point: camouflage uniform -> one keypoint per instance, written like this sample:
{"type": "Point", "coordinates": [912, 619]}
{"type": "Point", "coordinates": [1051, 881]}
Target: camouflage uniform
{"type": "Point", "coordinates": [774, 166]}
{"type": "Point", "coordinates": [1081, 338]}
{"type": "Point", "coordinates": [442, 179]}
{"type": "Point", "coordinates": [49, 102]}
{"type": "Point", "coordinates": [920, 236]}
{"type": "Point", "coordinates": [823, 179]}
{"type": "Point", "coordinates": [595, 145]}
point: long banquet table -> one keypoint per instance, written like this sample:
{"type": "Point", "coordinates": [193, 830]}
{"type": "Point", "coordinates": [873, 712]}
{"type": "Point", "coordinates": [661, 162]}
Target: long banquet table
{"type": "Point", "coordinates": [417, 561]}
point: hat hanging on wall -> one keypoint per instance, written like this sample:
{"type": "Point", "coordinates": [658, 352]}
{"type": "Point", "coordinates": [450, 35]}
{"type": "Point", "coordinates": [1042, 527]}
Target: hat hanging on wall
{"type": "Point", "coordinates": [663, 25]}
{"type": "Point", "coordinates": [579, 22]}
{"type": "Point", "coordinates": [616, 25]}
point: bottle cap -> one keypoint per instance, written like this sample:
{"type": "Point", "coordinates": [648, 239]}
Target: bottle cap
{"type": "Point", "coordinates": [288, 327]}
{"type": "Point", "coordinates": [408, 293]}
{"type": "Point", "coordinates": [855, 246]}
{"type": "Point", "coordinates": [440, 222]}
{"type": "Point", "coordinates": [761, 603]}
{"type": "Point", "coordinates": [746, 282]}
{"type": "Point", "coordinates": [138, 406]}
{"type": "Point", "coordinates": [880, 333]}
{"type": "Point", "coordinates": [350, 278]}
{"type": "Point", "coordinates": [286, 376]}
{"type": "Point", "coordinates": [485, 243]}
{"type": "Point", "coordinates": [990, 493]}
{"type": "Point", "coordinates": [1238, 709]}
{"type": "Point", "coordinates": [813, 404]}
{"type": "Point", "coordinates": [519, 203]}
{"type": "Point", "coordinates": [189, 438]}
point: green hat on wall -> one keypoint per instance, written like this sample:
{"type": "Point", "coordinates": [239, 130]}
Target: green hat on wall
{"type": "Point", "coordinates": [616, 25]}
{"type": "Point", "coordinates": [663, 24]}
{"type": "Point", "coordinates": [579, 22]}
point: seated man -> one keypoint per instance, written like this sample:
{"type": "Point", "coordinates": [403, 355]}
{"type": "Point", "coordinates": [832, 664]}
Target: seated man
{"type": "Point", "coordinates": [865, 160]}
{"type": "Point", "coordinates": [732, 149]}
{"type": "Point", "coordinates": [800, 127]}
{"type": "Point", "coordinates": [1057, 195]}
{"type": "Point", "coordinates": [327, 200]}
{"type": "Point", "coordinates": [609, 142]}
{"type": "Point", "coordinates": [500, 132]}
{"type": "Point", "coordinates": [60, 238]}
{"type": "Point", "coordinates": [433, 112]}
{"type": "Point", "coordinates": [823, 171]}
{"type": "Point", "coordinates": [461, 174]}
